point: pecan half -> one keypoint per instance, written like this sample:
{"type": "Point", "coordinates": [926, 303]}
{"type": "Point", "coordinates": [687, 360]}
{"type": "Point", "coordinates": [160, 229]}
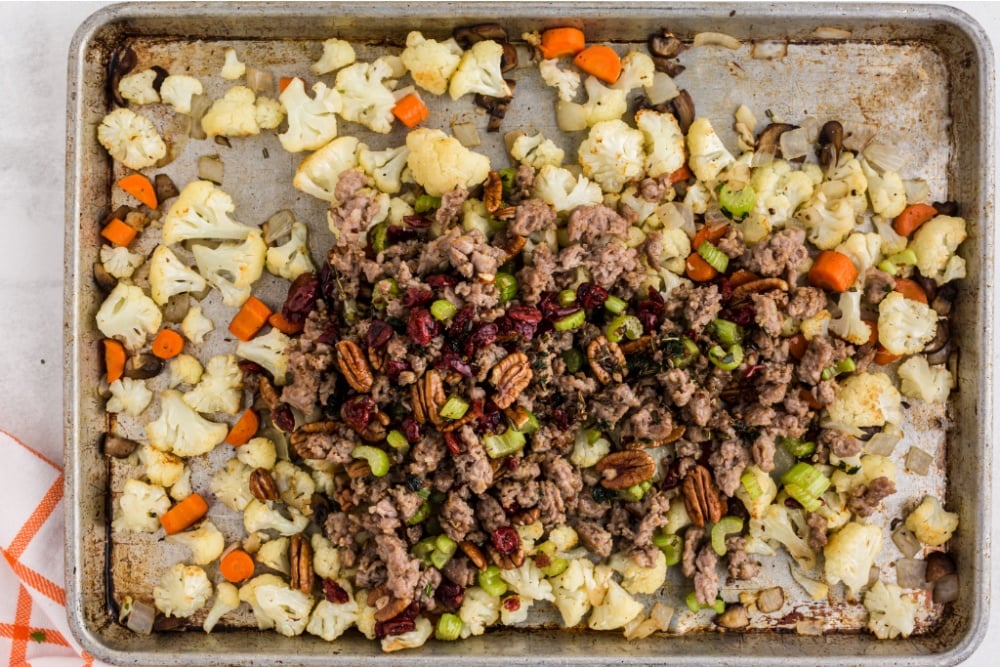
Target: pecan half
{"type": "Point", "coordinates": [511, 375]}
{"type": "Point", "coordinates": [505, 213]}
{"type": "Point", "coordinates": [509, 561]}
{"type": "Point", "coordinates": [474, 412]}
{"type": "Point", "coordinates": [620, 470]}
{"type": "Point", "coordinates": [354, 366]}
{"type": "Point", "coordinates": [701, 498]}
{"type": "Point", "coordinates": [759, 286]}
{"type": "Point", "coordinates": [514, 245]}
{"type": "Point", "coordinates": [676, 434]}
{"type": "Point", "coordinates": [386, 605]}
{"type": "Point", "coordinates": [525, 517]}
{"type": "Point", "coordinates": [428, 397]}
{"type": "Point", "coordinates": [262, 485]}
{"type": "Point", "coordinates": [357, 468]}
{"type": "Point", "coordinates": [493, 191]}
{"type": "Point", "coordinates": [377, 428]}
{"type": "Point", "coordinates": [300, 556]}
{"type": "Point", "coordinates": [269, 394]}
{"type": "Point", "coordinates": [640, 344]}
{"type": "Point", "coordinates": [474, 553]}
{"type": "Point", "coordinates": [606, 360]}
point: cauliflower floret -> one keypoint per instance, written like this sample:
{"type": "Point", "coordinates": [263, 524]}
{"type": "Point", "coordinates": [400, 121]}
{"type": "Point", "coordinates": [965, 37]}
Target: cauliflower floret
{"type": "Point", "coordinates": [642, 208]}
{"type": "Point", "coordinates": [138, 87]}
{"type": "Point", "coordinates": [866, 399]}
{"type": "Point", "coordinates": [181, 430]}
{"type": "Point", "coordinates": [221, 387]}
{"type": "Point", "coordinates": [232, 68]}
{"type": "Point", "coordinates": [697, 198]}
{"type": "Point", "coordinates": [565, 81]}
{"type": "Point", "coordinates": [183, 590]}
{"type": "Point", "coordinates": [612, 155]}
{"type": "Point", "coordinates": [337, 53]}
{"type": "Point", "coordinates": [827, 221]}
{"type": "Point", "coordinates": [637, 579]}
{"type": "Point", "coordinates": [312, 121]}
{"type": "Point", "coordinates": [564, 538]}
{"type": "Point", "coordinates": [184, 369]}
{"type": "Point", "coordinates": [440, 163]}
{"type": "Point", "coordinates": [365, 99]}
{"type": "Point", "coordinates": [478, 71]}
{"type": "Point", "coordinates": [816, 326]}
{"type": "Point", "coordinates": [233, 115]}
{"type": "Point", "coordinates": [129, 396]}
{"type": "Point", "coordinates": [286, 607]}
{"type": "Point", "coordinates": [205, 542]}
{"type": "Point", "coordinates": [169, 276]}
{"type": "Point", "coordinates": [850, 554]}
{"type": "Point", "coordinates": [268, 113]}
{"type": "Point", "coordinates": [385, 167]}
{"type": "Point", "coordinates": [330, 620]}
{"type": "Point", "coordinates": [326, 558]}
{"type": "Point", "coordinates": [416, 637]}
{"type": "Point", "coordinates": [128, 314]}
{"type": "Point", "coordinates": [322, 472]}
{"type": "Point", "coordinates": [291, 259]}
{"type": "Point", "coordinates": [872, 466]}
{"type": "Point", "coordinates": [920, 380]}
{"type": "Point", "coordinates": [931, 523]}
{"type": "Point", "coordinates": [196, 325]}
{"type": "Point", "coordinates": [141, 505]}
{"type": "Point", "coordinates": [905, 325]}
{"type": "Point", "coordinates": [161, 468]}
{"type": "Point", "coordinates": [890, 612]}
{"type": "Point", "coordinates": [295, 485]}
{"type": "Point", "coordinates": [570, 590]}
{"type": "Point", "coordinates": [617, 609]}
{"type": "Point", "coordinates": [119, 261]}
{"type": "Point", "coordinates": [935, 243]}
{"type": "Point", "coordinates": [479, 610]}
{"type": "Point", "coordinates": [664, 142]}
{"type": "Point", "coordinates": [637, 71]}
{"type": "Point", "coordinates": [231, 485]}
{"type": "Point", "coordinates": [767, 492]}
{"type": "Point", "coordinates": [708, 154]}
{"type": "Point", "coordinates": [201, 211]}
{"type": "Point", "coordinates": [131, 139]}
{"type": "Point", "coordinates": [318, 174]}
{"type": "Point", "coordinates": [776, 524]}
{"type": "Point", "coordinates": [562, 190]}
{"type": "Point", "coordinates": [233, 267]}
{"type": "Point", "coordinates": [865, 250]}
{"type": "Point", "coordinates": [258, 516]}
{"type": "Point", "coordinates": [430, 62]}
{"type": "Point", "coordinates": [227, 599]}
{"type": "Point", "coordinates": [248, 594]}
{"type": "Point", "coordinates": [518, 615]}
{"type": "Point", "coordinates": [536, 151]}
{"type": "Point", "coordinates": [847, 181]}
{"type": "Point", "coordinates": [181, 489]}
{"type": "Point", "coordinates": [886, 191]}
{"type": "Point", "coordinates": [780, 191]}
{"type": "Point", "coordinates": [259, 452]}
{"type": "Point", "coordinates": [603, 103]}
{"type": "Point", "coordinates": [270, 351]}
{"type": "Point", "coordinates": [817, 590]}
{"type": "Point", "coordinates": [891, 241]}
{"type": "Point", "coordinates": [177, 91]}
{"type": "Point", "coordinates": [274, 554]}
{"type": "Point", "coordinates": [528, 581]}
{"type": "Point", "coordinates": [849, 325]}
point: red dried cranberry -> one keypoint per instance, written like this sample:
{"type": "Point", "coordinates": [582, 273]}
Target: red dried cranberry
{"type": "Point", "coordinates": [550, 308]}
{"type": "Point", "coordinates": [505, 540]}
{"type": "Point", "coordinates": [492, 417]}
{"type": "Point", "coordinates": [283, 418]}
{"type": "Point", "coordinates": [449, 361]}
{"type": "Point", "coordinates": [591, 295]}
{"type": "Point", "coordinates": [417, 221]}
{"type": "Point", "coordinates": [421, 327]}
{"type": "Point", "coordinates": [411, 429]}
{"type": "Point", "coordinates": [328, 283]}
{"type": "Point", "coordinates": [792, 503]}
{"type": "Point", "coordinates": [671, 477]}
{"type": "Point", "coordinates": [249, 367]}
{"type": "Point", "coordinates": [561, 418]}
{"type": "Point", "coordinates": [462, 324]}
{"type": "Point", "coordinates": [726, 288]}
{"type": "Point", "coordinates": [379, 333]}
{"type": "Point", "coordinates": [542, 560]}
{"type": "Point", "coordinates": [411, 612]}
{"type": "Point", "coordinates": [452, 443]}
{"type": "Point", "coordinates": [512, 463]}
{"type": "Point", "coordinates": [742, 315]}
{"type": "Point", "coordinates": [334, 592]}
{"type": "Point", "coordinates": [512, 603]}
{"type": "Point", "coordinates": [650, 311]}
{"type": "Point", "coordinates": [330, 335]}
{"type": "Point", "coordinates": [396, 234]}
{"type": "Point", "coordinates": [394, 626]}
{"type": "Point", "coordinates": [450, 595]}
{"type": "Point", "coordinates": [393, 368]}
{"type": "Point", "coordinates": [525, 314]}
{"type": "Point", "coordinates": [357, 412]}
{"type": "Point", "coordinates": [485, 335]}
{"type": "Point", "coordinates": [417, 296]}
{"type": "Point", "coordinates": [649, 321]}
{"type": "Point", "coordinates": [302, 295]}
{"type": "Point", "coordinates": [441, 280]}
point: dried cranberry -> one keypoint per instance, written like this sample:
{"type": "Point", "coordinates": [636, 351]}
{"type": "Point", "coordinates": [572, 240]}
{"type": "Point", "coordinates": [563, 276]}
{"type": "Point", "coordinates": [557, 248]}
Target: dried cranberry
{"type": "Point", "coordinates": [484, 335]}
{"type": "Point", "coordinates": [412, 611]}
{"type": "Point", "coordinates": [671, 477]}
{"type": "Point", "coordinates": [726, 288]}
{"type": "Point", "coordinates": [441, 280]}
{"type": "Point", "coordinates": [512, 603]}
{"type": "Point", "coordinates": [550, 308]}
{"type": "Point", "coordinates": [561, 418]}
{"type": "Point", "coordinates": [650, 321]}
{"type": "Point", "coordinates": [505, 540]}
{"type": "Point", "coordinates": [249, 367]}
{"type": "Point", "coordinates": [330, 335]}
{"type": "Point", "coordinates": [417, 221]}
{"type": "Point", "coordinates": [283, 418]}
{"type": "Point", "coordinates": [491, 419]}
{"type": "Point", "coordinates": [650, 311]}
{"type": "Point", "coordinates": [792, 503]}
{"type": "Point", "coordinates": [393, 368]}
{"type": "Point", "coordinates": [379, 334]}
{"type": "Point", "coordinates": [358, 411]}
{"type": "Point", "coordinates": [328, 283]}
{"type": "Point", "coordinates": [416, 296]}
{"type": "Point", "coordinates": [334, 592]}
{"type": "Point", "coordinates": [450, 595]}
{"type": "Point", "coordinates": [452, 443]}
{"type": "Point", "coordinates": [396, 234]}
{"type": "Point", "coordinates": [394, 626]}
{"type": "Point", "coordinates": [462, 324]}
{"type": "Point", "coordinates": [302, 295]}
{"type": "Point", "coordinates": [525, 314]}
{"type": "Point", "coordinates": [591, 295]}
{"type": "Point", "coordinates": [512, 463]}
{"type": "Point", "coordinates": [450, 361]}
{"type": "Point", "coordinates": [421, 327]}
{"type": "Point", "coordinates": [742, 315]}
{"type": "Point", "coordinates": [411, 429]}
{"type": "Point", "coordinates": [542, 560]}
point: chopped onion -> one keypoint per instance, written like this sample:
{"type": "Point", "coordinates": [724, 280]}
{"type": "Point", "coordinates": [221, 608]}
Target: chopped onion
{"type": "Point", "coordinates": [259, 81]}
{"type": "Point", "coordinates": [910, 572]}
{"type": "Point", "coordinates": [885, 158]}
{"type": "Point", "coordinates": [570, 116]}
{"type": "Point", "coordinates": [141, 617]}
{"type": "Point", "coordinates": [675, 215]}
{"type": "Point", "coordinates": [278, 226]}
{"type": "Point", "coordinates": [794, 143]}
{"type": "Point", "coordinates": [812, 126]}
{"type": "Point", "coordinates": [466, 133]}
{"type": "Point", "coordinates": [771, 599]}
{"type": "Point", "coordinates": [716, 39]}
{"type": "Point", "coordinates": [662, 90]}
{"type": "Point", "coordinates": [199, 105]}
{"type": "Point", "coordinates": [210, 168]}
{"type": "Point", "coordinates": [946, 589]}
{"type": "Point", "coordinates": [917, 190]}
{"type": "Point", "coordinates": [809, 627]}
{"type": "Point", "coordinates": [714, 216]}
{"type": "Point", "coordinates": [884, 442]}
{"type": "Point", "coordinates": [769, 50]}
{"type": "Point", "coordinates": [906, 542]}
{"type": "Point", "coordinates": [829, 32]}
{"type": "Point", "coordinates": [918, 461]}
{"type": "Point", "coordinates": [400, 93]}
{"type": "Point", "coordinates": [761, 158]}
{"type": "Point", "coordinates": [857, 135]}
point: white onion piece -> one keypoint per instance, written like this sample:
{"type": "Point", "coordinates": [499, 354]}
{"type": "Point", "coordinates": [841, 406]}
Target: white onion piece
{"type": "Point", "coordinates": [663, 89]}
{"type": "Point", "coordinates": [885, 158]}
{"type": "Point", "coordinates": [857, 135]}
{"type": "Point", "coordinates": [884, 442]}
{"type": "Point", "coordinates": [946, 589]}
{"type": "Point", "coordinates": [829, 32]}
{"type": "Point", "coordinates": [403, 92]}
{"type": "Point", "coordinates": [906, 542]}
{"type": "Point", "coordinates": [278, 226]}
{"type": "Point", "coordinates": [260, 81]}
{"type": "Point", "coordinates": [917, 190]}
{"type": "Point", "coordinates": [199, 105]}
{"type": "Point", "coordinates": [761, 158]}
{"type": "Point", "coordinates": [794, 144]}
{"type": "Point", "coordinates": [140, 619]}
{"type": "Point", "coordinates": [714, 215]}
{"type": "Point", "coordinates": [918, 461]}
{"type": "Point", "coordinates": [570, 116]}
{"type": "Point", "coordinates": [675, 215]}
{"type": "Point", "coordinates": [210, 168]}
{"type": "Point", "coordinates": [769, 50]}
{"type": "Point", "coordinates": [467, 134]}
{"type": "Point", "coordinates": [716, 39]}
{"type": "Point", "coordinates": [812, 126]}
{"type": "Point", "coordinates": [910, 572]}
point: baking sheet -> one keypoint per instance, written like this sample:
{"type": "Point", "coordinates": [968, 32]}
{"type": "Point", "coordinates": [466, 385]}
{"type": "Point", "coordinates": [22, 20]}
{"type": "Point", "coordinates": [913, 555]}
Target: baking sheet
{"type": "Point", "coordinates": [914, 80]}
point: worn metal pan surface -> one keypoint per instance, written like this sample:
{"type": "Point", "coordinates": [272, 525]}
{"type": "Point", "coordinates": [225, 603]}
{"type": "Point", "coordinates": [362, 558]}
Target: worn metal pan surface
{"type": "Point", "coordinates": [922, 76]}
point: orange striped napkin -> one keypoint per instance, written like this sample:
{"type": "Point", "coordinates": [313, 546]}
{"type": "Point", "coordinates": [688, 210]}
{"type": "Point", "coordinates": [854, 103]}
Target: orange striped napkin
{"type": "Point", "coordinates": [33, 625]}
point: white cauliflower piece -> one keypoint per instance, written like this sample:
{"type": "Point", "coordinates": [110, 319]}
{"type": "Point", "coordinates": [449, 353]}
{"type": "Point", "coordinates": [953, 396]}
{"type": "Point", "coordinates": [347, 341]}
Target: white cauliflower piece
{"type": "Point", "coordinates": [931, 523]}
{"type": "Point", "coordinates": [140, 507]}
{"type": "Point", "coordinates": [891, 241]}
{"type": "Point", "coordinates": [287, 608]}
{"type": "Point", "coordinates": [921, 380]}
{"type": "Point", "coordinates": [935, 243]}
{"type": "Point", "coordinates": [757, 507]}
{"type": "Point", "coordinates": [337, 53]}
{"type": "Point", "coordinates": [617, 609]}
{"type": "Point", "coordinates": [227, 599]}
{"type": "Point", "coordinates": [612, 155]}
{"type": "Point", "coordinates": [201, 211]}
{"type": "Point", "coordinates": [129, 396]}
{"type": "Point", "coordinates": [817, 325]}
{"type": "Point", "coordinates": [603, 103]}
{"type": "Point", "coordinates": [563, 191]}
{"type": "Point", "coordinates": [846, 181]}
{"type": "Point", "coordinates": [708, 155]}
{"type": "Point", "coordinates": [177, 91]}
{"type": "Point", "coordinates": [536, 151]}
{"type": "Point", "coordinates": [637, 72]}
{"type": "Point", "coordinates": [248, 594]}
{"type": "Point", "coordinates": [528, 581]}
{"type": "Point", "coordinates": [776, 524]}
{"type": "Point", "coordinates": [385, 167]}
{"type": "Point", "coordinates": [231, 485]}
{"type": "Point", "coordinates": [259, 452]}
{"type": "Point", "coordinates": [866, 399]}
{"type": "Point", "coordinates": [637, 579]}
{"type": "Point", "coordinates": [183, 590]}
{"type": "Point", "coordinates": [479, 610]}
{"type": "Point", "coordinates": [184, 369]}
{"type": "Point", "coordinates": [326, 559]}
{"type": "Point", "coordinates": [319, 173]}
{"type": "Point", "coordinates": [295, 486]}
{"type": "Point", "coordinates": [865, 250]}
{"type": "Point", "coordinates": [780, 191]}
{"type": "Point", "coordinates": [817, 590]}
{"type": "Point", "coordinates": [131, 139]}
{"type": "Point", "coordinates": [891, 613]}
{"type": "Point", "coordinates": [205, 542]}
{"type": "Point", "coordinates": [232, 68]}
{"type": "Point", "coordinates": [519, 615]}
{"type": "Point", "coordinates": [268, 113]}
{"type": "Point", "coordinates": [274, 554]}
{"type": "Point", "coordinates": [181, 489]}
{"type": "Point", "coordinates": [850, 554]}
{"type": "Point", "coordinates": [270, 351]}
{"type": "Point", "coordinates": [872, 466]}
{"type": "Point", "coordinates": [565, 81]}
{"type": "Point", "coordinates": [232, 115]}
{"type": "Point", "coordinates": [137, 87]}
{"type": "Point", "coordinates": [196, 325]}
{"type": "Point", "coordinates": [886, 191]}
{"type": "Point", "coordinates": [430, 62]}
{"type": "Point", "coordinates": [312, 121]}
{"type": "Point", "coordinates": [168, 276]}
{"type": "Point", "coordinates": [291, 259]}
{"type": "Point", "coordinates": [322, 472]}
{"type": "Point", "coordinates": [570, 590]}
{"type": "Point", "coordinates": [849, 325]}
{"type": "Point", "coordinates": [827, 221]}
{"type": "Point", "coordinates": [364, 97]}
{"type": "Point", "coordinates": [478, 71]}
{"type": "Point", "coordinates": [232, 268]}
{"type": "Point", "coordinates": [258, 516]}
{"type": "Point", "coordinates": [440, 163]}
{"type": "Point", "coordinates": [664, 142]}
{"type": "Point", "coordinates": [221, 387]}
{"type": "Point", "coordinates": [119, 261]}
{"type": "Point", "coordinates": [330, 620]}
{"type": "Point", "coordinates": [418, 636]}
{"type": "Point", "coordinates": [128, 314]}
{"type": "Point", "coordinates": [181, 430]}
{"type": "Point", "coordinates": [905, 326]}
{"type": "Point", "coordinates": [564, 538]}
{"type": "Point", "coordinates": [161, 468]}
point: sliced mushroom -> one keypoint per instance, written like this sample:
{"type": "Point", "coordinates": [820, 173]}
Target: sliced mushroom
{"type": "Point", "coordinates": [939, 564]}
{"type": "Point", "coordinates": [176, 308]}
{"type": "Point", "coordinates": [165, 188]}
{"type": "Point", "coordinates": [682, 107]}
{"type": "Point", "coordinates": [117, 446]}
{"type": "Point", "coordinates": [946, 207]}
{"type": "Point", "coordinates": [944, 300]}
{"type": "Point", "coordinates": [769, 139]}
{"type": "Point", "coordinates": [466, 36]}
{"type": "Point", "coordinates": [121, 62]}
{"type": "Point", "coordinates": [509, 59]}
{"type": "Point", "coordinates": [143, 366]}
{"type": "Point", "coordinates": [831, 141]}
{"type": "Point", "coordinates": [733, 618]}
{"type": "Point", "coordinates": [161, 74]}
{"type": "Point", "coordinates": [665, 45]}
{"type": "Point", "coordinates": [668, 66]}
{"type": "Point", "coordinates": [104, 280]}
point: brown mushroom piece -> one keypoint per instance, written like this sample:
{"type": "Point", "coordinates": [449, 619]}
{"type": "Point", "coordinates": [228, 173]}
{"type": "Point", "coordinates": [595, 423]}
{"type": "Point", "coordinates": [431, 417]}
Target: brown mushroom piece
{"type": "Point", "coordinates": [104, 280]}
{"type": "Point", "coordinates": [831, 141]}
{"type": "Point", "coordinates": [682, 107]}
{"type": "Point", "coordinates": [176, 308]}
{"type": "Point", "coordinates": [121, 62]}
{"type": "Point", "coordinates": [466, 36]}
{"type": "Point", "coordinates": [668, 66]}
{"type": "Point", "coordinates": [509, 59]}
{"type": "Point", "coordinates": [164, 187]}
{"type": "Point", "coordinates": [944, 300]}
{"type": "Point", "coordinates": [665, 44]}
{"type": "Point", "coordinates": [939, 564]}
{"type": "Point", "coordinates": [143, 366]}
{"type": "Point", "coordinates": [946, 207]}
{"type": "Point", "coordinates": [496, 107]}
{"type": "Point", "coordinates": [117, 446]}
{"type": "Point", "coordinates": [733, 618]}
{"type": "Point", "coordinates": [769, 139]}
{"type": "Point", "coordinates": [771, 599]}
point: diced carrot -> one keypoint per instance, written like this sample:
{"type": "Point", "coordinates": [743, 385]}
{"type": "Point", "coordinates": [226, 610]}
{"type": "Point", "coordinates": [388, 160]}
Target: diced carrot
{"type": "Point", "coordinates": [698, 269]}
{"type": "Point", "coordinates": [709, 232]}
{"type": "Point", "coordinates": [833, 271]}
{"type": "Point", "coordinates": [912, 217]}
{"type": "Point", "coordinates": [884, 356]}
{"type": "Point", "coordinates": [559, 42]}
{"type": "Point", "coordinates": [283, 83]}
{"type": "Point", "coordinates": [236, 566]}
{"type": "Point", "coordinates": [118, 233]}
{"type": "Point", "coordinates": [141, 188]}
{"type": "Point", "coordinates": [252, 316]}
{"type": "Point", "coordinates": [681, 174]}
{"type": "Point", "coordinates": [279, 322]}
{"type": "Point", "coordinates": [797, 345]}
{"type": "Point", "coordinates": [873, 329]}
{"type": "Point", "coordinates": [410, 110]}
{"type": "Point", "coordinates": [114, 359]}
{"type": "Point", "coordinates": [184, 514]}
{"type": "Point", "coordinates": [600, 61]}
{"type": "Point", "coordinates": [742, 277]}
{"type": "Point", "coordinates": [911, 289]}
{"type": "Point", "coordinates": [167, 344]}
{"type": "Point", "coordinates": [244, 429]}
{"type": "Point", "coordinates": [809, 399]}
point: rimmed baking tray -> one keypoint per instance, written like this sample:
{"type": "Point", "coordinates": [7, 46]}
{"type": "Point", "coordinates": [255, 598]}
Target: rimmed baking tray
{"type": "Point", "coordinates": [923, 75]}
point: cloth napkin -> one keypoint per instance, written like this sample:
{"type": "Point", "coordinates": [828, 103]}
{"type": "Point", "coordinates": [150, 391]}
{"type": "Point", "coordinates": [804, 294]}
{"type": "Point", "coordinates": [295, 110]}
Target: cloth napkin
{"type": "Point", "coordinates": [34, 629]}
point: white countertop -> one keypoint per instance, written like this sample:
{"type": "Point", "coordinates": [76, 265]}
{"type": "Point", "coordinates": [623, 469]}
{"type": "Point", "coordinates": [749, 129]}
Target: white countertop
{"type": "Point", "coordinates": [33, 65]}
